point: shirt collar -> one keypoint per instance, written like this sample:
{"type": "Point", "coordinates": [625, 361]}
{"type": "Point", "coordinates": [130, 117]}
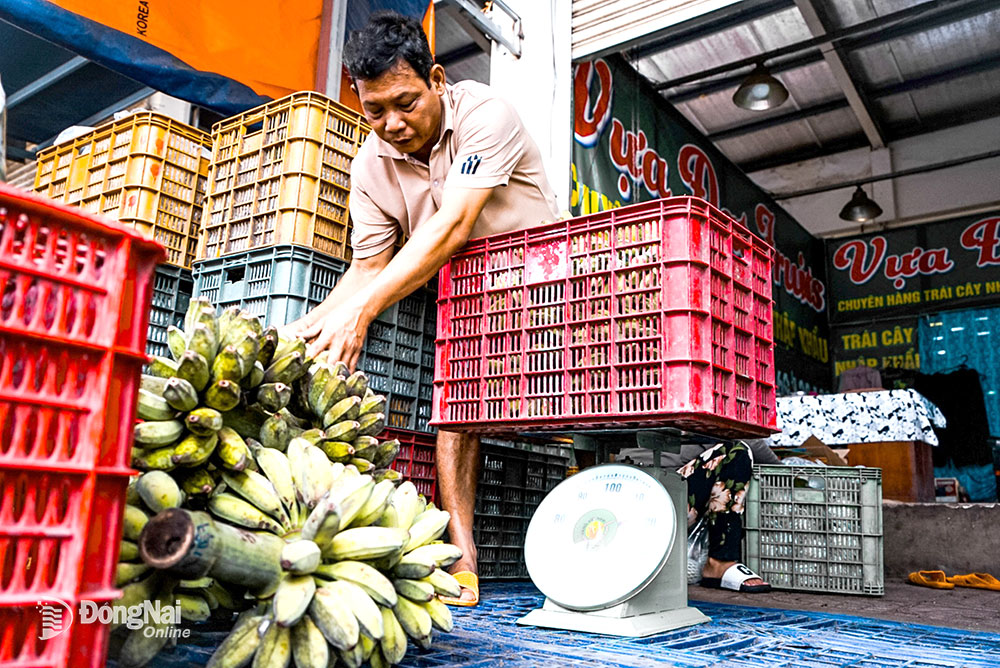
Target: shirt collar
{"type": "Point", "coordinates": [386, 150]}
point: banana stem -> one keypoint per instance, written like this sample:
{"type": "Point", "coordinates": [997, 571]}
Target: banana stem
{"type": "Point", "coordinates": [190, 545]}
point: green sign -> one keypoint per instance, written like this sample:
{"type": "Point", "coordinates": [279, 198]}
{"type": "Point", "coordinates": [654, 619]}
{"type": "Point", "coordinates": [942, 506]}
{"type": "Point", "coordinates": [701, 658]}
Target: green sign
{"type": "Point", "coordinates": [918, 269]}
{"type": "Point", "coordinates": [632, 146]}
{"type": "Point", "coordinates": [885, 344]}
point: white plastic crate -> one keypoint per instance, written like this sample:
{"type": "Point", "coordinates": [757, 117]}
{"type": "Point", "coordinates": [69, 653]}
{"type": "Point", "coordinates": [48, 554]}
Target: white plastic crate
{"type": "Point", "coordinates": [816, 528]}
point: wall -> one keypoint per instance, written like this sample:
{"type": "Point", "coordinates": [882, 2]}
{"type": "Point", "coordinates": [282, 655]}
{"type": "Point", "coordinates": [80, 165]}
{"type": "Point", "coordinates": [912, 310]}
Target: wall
{"type": "Point", "coordinates": [540, 83]}
{"type": "Point", "coordinates": [907, 200]}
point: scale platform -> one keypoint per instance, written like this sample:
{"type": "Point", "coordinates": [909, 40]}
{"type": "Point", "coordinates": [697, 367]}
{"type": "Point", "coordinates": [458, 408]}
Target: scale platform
{"type": "Point", "coordinates": [608, 548]}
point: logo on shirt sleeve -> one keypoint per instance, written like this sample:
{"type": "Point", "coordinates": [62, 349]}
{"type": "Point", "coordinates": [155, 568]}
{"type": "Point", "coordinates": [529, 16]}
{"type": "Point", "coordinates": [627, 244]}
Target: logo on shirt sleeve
{"type": "Point", "coordinates": [471, 164]}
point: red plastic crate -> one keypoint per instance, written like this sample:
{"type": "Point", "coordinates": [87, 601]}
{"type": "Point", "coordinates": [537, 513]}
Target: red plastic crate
{"type": "Point", "coordinates": [416, 459]}
{"type": "Point", "coordinates": [650, 315]}
{"type": "Point", "coordinates": [75, 292]}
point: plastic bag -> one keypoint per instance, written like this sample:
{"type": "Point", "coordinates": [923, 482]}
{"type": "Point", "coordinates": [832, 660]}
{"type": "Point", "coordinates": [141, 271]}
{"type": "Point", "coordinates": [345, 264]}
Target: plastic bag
{"type": "Point", "coordinates": [697, 550]}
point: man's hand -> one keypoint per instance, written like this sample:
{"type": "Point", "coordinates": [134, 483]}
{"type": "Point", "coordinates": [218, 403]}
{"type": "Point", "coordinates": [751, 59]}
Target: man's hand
{"type": "Point", "coordinates": [342, 333]}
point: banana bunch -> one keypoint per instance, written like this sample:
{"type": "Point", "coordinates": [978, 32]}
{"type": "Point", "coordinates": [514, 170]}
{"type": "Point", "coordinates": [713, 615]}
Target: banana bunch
{"type": "Point", "coordinates": [147, 495]}
{"type": "Point", "coordinates": [362, 566]}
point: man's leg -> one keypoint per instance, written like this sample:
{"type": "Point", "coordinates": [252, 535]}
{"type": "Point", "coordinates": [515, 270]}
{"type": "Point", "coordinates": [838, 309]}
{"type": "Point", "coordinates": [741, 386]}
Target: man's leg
{"type": "Point", "coordinates": [458, 474]}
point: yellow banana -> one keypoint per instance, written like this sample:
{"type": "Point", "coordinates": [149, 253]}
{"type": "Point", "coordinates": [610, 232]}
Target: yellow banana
{"type": "Point", "coordinates": [334, 618]}
{"type": "Point", "coordinates": [414, 619]}
{"type": "Point", "coordinates": [275, 650]}
{"type": "Point", "coordinates": [393, 643]}
{"type": "Point", "coordinates": [194, 608]}
{"type": "Point", "coordinates": [159, 491]}
{"type": "Point", "coordinates": [153, 434]}
{"type": "Point", "coordinates": [194, 368]}
{"type": "Point", "coordinates": [237, 511]}
{"type": "Point", "coordinates": [376, 504]}
{"type": "Point", "coordinates": [162, 367]}
{"type": "Point", "coordinates": [375, 584]}
{"type": "Point", "coordinates": [151, 406]}
{"type": "Point", "coordinates": [444, 583]}
{"type": "Point", "coordinates": [203, 421]}
{"type": "Point", "coordinates": [237, 650]}
{"type": "Point", "coordinates": [180, 394]}
{"type": "Point", "coordinates": [366, 543]}
{"type": "Point", "coordinates": [134, 523]}
{"type": "Point", "coordinates": [441, 554]}
{"type": "Point", "coordinates": [258, 490]}
{"type": "Point", "coordinates": [223, 395]}
{"type": "Point", "coordinates": [292, 599]}
{"type": "Point", "coordinates": [274, 465]}
{"type": "Point", "coordinates": [428, 526]}
{"type": "Point", "coordinates": [439, 613]}
{"type": "Point", "coordinates": [232, 451]}
{"type": "Point", "coordinates": [309, 647]}
{"type": "Point", "coordinates": [361, 604]}
{"type": "Point", "coordinates": [300, 557]}
{"type": "Point", "coordinates": [195, 450]}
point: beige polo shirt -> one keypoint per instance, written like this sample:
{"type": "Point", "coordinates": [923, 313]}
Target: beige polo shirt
{"type": "Point", "coordinates": [483, 144]}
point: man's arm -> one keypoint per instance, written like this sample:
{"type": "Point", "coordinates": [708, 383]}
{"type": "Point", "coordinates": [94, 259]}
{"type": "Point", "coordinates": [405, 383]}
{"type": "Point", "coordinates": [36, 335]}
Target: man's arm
{"type": "Point", "coordinates": [430, 247]}
{"type": "Point", "coordinates": [360, 273]}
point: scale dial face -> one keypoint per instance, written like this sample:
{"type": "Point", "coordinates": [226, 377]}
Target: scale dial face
{"type": "Point", "coordinates": [600, 536]}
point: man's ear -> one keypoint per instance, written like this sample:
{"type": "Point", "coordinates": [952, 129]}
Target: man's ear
{"type": "Point", "coordinates": [438, 79]}
{"type": "Point", "coordinates": [354, 87]}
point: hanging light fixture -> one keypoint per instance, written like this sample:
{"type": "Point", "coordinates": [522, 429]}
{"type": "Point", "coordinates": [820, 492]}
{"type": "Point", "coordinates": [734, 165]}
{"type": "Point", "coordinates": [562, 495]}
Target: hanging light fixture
{"type": "Point", "coordinates": [760, 91]}
{"type": "Point", "coordinates": [861, 208]}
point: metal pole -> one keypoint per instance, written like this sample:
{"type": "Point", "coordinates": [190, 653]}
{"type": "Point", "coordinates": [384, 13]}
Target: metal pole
{"type": "Point", "coordinates": [331, 46]}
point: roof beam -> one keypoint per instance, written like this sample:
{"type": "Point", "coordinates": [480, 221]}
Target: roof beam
{"type": "Point", "coordinates": [774, 121]}
{"type": "Point", "coordinates": [838, 67]}
{"type": "Point", "coordinates": [968, 69]}
{"type": "Point", "coordinates": [46, 80]}
{"type": "Point", "coordinates": [470, 50]}
{"type": "Point", "coordinates": [733, 80]}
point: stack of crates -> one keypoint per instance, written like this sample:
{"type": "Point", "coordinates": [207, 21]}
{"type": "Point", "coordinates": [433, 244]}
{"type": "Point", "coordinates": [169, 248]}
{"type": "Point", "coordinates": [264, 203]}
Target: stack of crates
{"type": "Point", "coordinates": [416, 459]}
{"type": "Point", "coordinates": [277, 238]}
{"type": "Point", "coordinates": [816, 528]}
{"type": "Point", "coordinates": [513, 480]}
{"type": "Point", "coordinates": [148, 171]}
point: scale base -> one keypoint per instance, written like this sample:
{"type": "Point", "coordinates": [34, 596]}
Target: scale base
{"type": "Point", "coordinates": [637, 626]}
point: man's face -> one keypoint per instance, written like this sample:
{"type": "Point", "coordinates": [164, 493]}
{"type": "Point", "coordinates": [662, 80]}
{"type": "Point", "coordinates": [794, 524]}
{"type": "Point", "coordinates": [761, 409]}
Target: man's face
{"type": "Point", "coordinates": [402, 109]}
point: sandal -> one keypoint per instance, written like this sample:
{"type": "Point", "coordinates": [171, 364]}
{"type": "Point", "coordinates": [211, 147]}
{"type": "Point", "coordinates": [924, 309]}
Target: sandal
{"type": "Point", "coordinates": [734, 579]}
{"type": "Point", "coordinates": [976, 581]}
{"type": "Point", "coordinates": [932, 579]}
{"type": "Point", "coordinates": [468, 580]}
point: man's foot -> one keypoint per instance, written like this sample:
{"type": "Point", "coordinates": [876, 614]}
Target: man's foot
{"type": "Point", "coordinates": [465, 573]}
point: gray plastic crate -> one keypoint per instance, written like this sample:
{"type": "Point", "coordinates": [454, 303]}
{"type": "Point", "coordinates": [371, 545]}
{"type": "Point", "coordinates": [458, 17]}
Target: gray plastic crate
{"type": "Point", "coordinates": [816, 528]}
{"type": "Point", "coordinates": [172, 288]}
{"type": "Point", "coordinates": [281, 283]}
{"type": "Point", "coordinates": [278, 283]}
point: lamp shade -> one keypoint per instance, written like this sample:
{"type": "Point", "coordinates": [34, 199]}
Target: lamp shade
{"type": "Point", "coordinates": [861, 208]}
{"type": "Point", "coordinates": [760, 91]}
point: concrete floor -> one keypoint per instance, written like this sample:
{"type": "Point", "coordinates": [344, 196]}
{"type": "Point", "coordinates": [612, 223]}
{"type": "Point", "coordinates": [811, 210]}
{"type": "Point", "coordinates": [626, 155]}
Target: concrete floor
{"type": "Point", "coordinates": [959, 608]}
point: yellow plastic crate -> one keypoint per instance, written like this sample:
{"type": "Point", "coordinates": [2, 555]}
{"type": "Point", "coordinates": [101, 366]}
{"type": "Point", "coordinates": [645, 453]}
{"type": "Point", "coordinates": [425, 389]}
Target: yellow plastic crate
{"type": "Point", "coordinates": [146, 170]}
{"type": "Point", "coordinates": [280, 174]}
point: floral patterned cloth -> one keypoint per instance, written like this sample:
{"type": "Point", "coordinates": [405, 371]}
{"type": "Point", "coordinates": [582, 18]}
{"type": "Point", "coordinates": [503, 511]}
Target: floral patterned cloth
{"type": "Point", "coordinates": [717, 485]}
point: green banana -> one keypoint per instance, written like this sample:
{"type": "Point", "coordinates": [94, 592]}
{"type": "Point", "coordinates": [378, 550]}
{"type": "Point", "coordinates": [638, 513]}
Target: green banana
{"type": "Point", "coordinates": [160, 433]}
{"type": "Point", "coordinates": [441, 554]}
{"type": "Point", "coordinates": [387, 474]}
{"type": "Point", "coordinates": [197, 482]}
{"type": "Point", "coordinates": [370, 579]}
{"type": "Point", "coordinates": [203, 341]}
{"type": "Point", "coordinates": [366, 543]}
{"type": "Point", "coordinates": [337, 451]}
{"type": "Point", "coordinates": [288, 346]}
{"type": "Point", "coordinates": [357, 384]}
{"type": "Point", "coordinates": [195, 450]}
{"type": "Point", "coordinates": [275, 650]}
{"type": "Point", "coordinates": [223, 395]}
{"type": "Point", "coordinates": [286, 369]}
{"type": "Point", "coordinates": [154, 384]}
{"type": "Point", "coordinates": [414, 619]}
{"type": "Point", "coordinates": [376, 404]}
{"type": "Point", "coordinates": [195, 307]}
{"type": "Point", "coordinates": [237, 650]}
{"type": "Point", "coordinates": [154, 407]}
{"type": "Point", "coordinates": [136, 593]}
{"type": "Point", "coordinates": [415, 590]}
{"type": "Point", "coordinates": [274, 464]}
{"type": "Point", "coordinates": [376, 504]}
{"type": "Point", "coordinates": [237, 511]}
{"type": "Point", "coordinates": [275, 433]}
{"type": "Point", "coordinates": [274, 396]}
{"type": "Point", "coordinates": [268, 344]}
{"type": "Point", "coordinates": [194, 608]}
{"type": "Point", "coordinates": [300, 557]}
{"type": "Point", "coordinates": [254, 378]}
{"type": "Point", "coordinates": [232, 451]}
{"type": "Point", "coordinates": [126, 572]}
{"type": "Point", "coordinates": [334, 618]}
{"type": "Point", "coordinates": [316, 387]}
{"type": "Point", "coordinates": [142, 644]}
{"type": "Point", "coordinates": [176, 342]}
{"type": "Point", "coordinates": [393, 643]}
{"type": "Point", "coordinates": [227, 366]}
{"type": "Point", "coordinates": [226, 318]}
{"type": "Point", "coordinates": [362, 465]}
{"type": "Point", "coordinates": [345, 409]}
{"type": "Point", "coordinates": [180, 394]}
{"type": "Point", "coordinates": [346, 430]}
{"type": "Point", "coordinates": [371, 424]}
{"type": "Point", "coordinates": [128, 551]}
{"type": "Point", "coordinates": [440, 614]}
{"type": "Point", "coordinates": [160, 459]}
{"type": "Point", "coordinates": [292, 598]}
{"type": "Point", "coordinates": [309, 647]}
{"type": "Point", "coordinates": [246, 349]}
{"type": "Point", "coordinates": [203, 421]}
{"type": "Point", "coordinates": [162, 367]}
{"type": "Point", "coordinates": [386, 453]}
{"type": "Point", "coordinates": [341, 369]}
{"type": "Point", "coordinates": [258, 490]}
{"type": "Point", "coordinates": [444, 583]}
{"type": "Point", "coordinates": [323, 522]}
{"type": "Point", "coordinates": [194, 368]}
{"type": "Point", "coordinates": [159, 491]}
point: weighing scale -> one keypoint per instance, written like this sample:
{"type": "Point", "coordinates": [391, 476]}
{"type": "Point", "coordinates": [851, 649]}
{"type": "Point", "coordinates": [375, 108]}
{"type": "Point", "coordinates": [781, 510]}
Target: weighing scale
{"type": "Point", "coordinates": [608, 546]}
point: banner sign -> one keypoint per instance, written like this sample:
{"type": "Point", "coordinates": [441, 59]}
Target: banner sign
{"type": "Point", "coordinates": [885, 344]}
{"type": "Point", "coordinates": [632, 146]}
{"type": "Point", "coordinates": [913, 270]}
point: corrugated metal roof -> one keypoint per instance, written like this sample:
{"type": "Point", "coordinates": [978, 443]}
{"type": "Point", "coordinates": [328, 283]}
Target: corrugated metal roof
{"type": "Point", "coordinates": [934, 65]}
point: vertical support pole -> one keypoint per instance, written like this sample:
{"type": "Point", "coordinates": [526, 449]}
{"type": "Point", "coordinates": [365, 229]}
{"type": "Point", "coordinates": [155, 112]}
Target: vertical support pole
{"type": "Point", "coordinates": [331, 46]}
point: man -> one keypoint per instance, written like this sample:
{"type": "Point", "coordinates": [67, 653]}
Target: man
{"type": "Point", "coordinates": [443, 164]}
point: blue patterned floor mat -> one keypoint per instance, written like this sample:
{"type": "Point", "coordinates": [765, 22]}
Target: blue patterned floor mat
{"type": "Point", "coordinates": [737, 637]}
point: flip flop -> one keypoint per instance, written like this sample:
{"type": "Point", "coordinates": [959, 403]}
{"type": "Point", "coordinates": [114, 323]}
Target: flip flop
{"type": "Point", "coordinates": [468, 580]}
{"type": "Point", "coordinates": [733, 579]}
{"type": "Point", "coordinates": [976, 581]}
{"type": "Point", "coordinates": [932, 579]}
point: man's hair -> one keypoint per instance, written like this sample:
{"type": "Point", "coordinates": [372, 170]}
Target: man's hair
{"type": "Point", "coordinates": [387, 38]}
